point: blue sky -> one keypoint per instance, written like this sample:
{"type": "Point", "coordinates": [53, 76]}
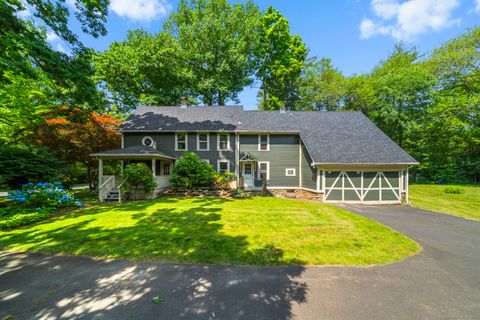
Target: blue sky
{"type": "Point", "coordinates": [355, 34]}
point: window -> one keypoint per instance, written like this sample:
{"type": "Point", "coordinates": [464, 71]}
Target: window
{"type": "Point", "coordinates": [180, 142]}
{"type": "Point", "coordinates": [147, 141]}
{"type": "Point", "coordinates": [166, 169]}
{"type": "Point", "coordinates": [290, 172]}
{"type": "Point", "coordinates": [264, 169]}
{"type": "Point", "coordinates": [263, 142]}
{"type": "Point", "coordinates": [247, 168]}
{"type": "Point", "coordinates": [206, 160]}
{"type": "Point", "coordinates": [223, 165]}
{"type": "Point", "coordinates": [203, 143]}
{"type": "Point", "coordinates": [223, 141]}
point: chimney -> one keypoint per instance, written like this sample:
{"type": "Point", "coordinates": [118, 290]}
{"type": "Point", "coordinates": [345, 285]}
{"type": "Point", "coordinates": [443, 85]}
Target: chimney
{"type": "Point", "coordinates": [282, 108]}
{"type": "Point", "coordinates": [183, 103]}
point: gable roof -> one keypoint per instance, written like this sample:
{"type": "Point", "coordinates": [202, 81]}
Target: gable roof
{"type": "Point", "coordinates": [330, 137]}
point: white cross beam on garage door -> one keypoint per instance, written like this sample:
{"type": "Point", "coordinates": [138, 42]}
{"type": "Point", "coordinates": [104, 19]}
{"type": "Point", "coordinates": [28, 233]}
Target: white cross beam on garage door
{"type": "Point", "coordinates": [343, 178]}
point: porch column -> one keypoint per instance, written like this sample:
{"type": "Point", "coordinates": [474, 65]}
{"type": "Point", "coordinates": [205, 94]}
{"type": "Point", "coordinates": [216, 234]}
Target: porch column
{"type": "Point", "coordinates": [100, 172]}
{"type": "Point", "coordinates": [153, 168]}
{"type": "Point", "coordinates": [122, 163]}
{"type": "Point", "coordinates": [406, 186]}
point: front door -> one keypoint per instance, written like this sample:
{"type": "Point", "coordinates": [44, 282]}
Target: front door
{"type": "Point", "coordinates": [248, 175]}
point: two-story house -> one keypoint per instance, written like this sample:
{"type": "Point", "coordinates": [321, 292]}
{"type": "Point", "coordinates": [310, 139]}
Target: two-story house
{"type": "Point", "coordinates": [341, 155]}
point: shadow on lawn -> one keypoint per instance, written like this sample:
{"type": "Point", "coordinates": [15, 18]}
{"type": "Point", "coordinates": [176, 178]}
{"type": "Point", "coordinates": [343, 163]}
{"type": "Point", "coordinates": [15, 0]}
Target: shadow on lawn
{"type": "Point", "coordinates": [124, 289]}
{"type": "Point", "coordinates": [190, 235]}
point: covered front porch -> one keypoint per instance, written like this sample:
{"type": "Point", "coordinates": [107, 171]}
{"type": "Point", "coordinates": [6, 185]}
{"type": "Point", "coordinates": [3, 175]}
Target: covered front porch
{"type": "Point", "coordinates": [110, 186]}
{"type": "Point", "coordinates": [250, 172]}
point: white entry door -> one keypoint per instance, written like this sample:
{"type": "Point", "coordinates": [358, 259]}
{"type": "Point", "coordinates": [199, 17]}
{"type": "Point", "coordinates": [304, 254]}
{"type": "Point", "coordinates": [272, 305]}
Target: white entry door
{"type": "Point", "coordinates": [248, 175]}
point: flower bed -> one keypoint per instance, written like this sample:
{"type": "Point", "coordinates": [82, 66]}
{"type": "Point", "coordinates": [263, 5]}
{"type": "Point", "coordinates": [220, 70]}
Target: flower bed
{"type": "Point", "coordinates": [35, 202]}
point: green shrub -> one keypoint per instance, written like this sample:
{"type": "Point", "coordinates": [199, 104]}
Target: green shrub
{"type": "Point", "coordinates": [139, 174]}
{"type": "Point", "coordinates": [19, 165]}
{"type": "Point", "coordinates": [14, 216]}
{"type": "Point", "coordinates": [190, 172]}
{"type": "Point", "coordinates": [222, 180]}
{"type": "Point", "coordinates": [240, 194]}
{"type": "Point", "coordinates": [454, 190]}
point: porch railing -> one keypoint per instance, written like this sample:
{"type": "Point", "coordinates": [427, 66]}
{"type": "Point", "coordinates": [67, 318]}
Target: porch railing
{"type": "Point", "coordinates": [107, 186]}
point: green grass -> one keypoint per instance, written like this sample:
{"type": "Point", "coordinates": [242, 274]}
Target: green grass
{"type": "Point", "coordinates": [256, 231]}
{"type": "Point", "coordinates": [432, 197]}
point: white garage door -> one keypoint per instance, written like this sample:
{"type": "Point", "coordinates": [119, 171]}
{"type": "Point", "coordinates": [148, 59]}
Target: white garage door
{"type": "Point", "coordinates": [363, 186]}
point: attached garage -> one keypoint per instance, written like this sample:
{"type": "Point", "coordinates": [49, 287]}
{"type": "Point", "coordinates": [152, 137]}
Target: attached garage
{"type": "Point", "coordinates": [362, 186]}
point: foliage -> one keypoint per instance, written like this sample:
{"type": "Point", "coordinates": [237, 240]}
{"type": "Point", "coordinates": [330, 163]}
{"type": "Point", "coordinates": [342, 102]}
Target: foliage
{"type": "Point", "coordinates": [205, 52]}
{"type": "Point", "coordinates": [322, 87]}
{"type": "Point", "coordinates": [43, 195]}
{"type": "Point", "coordinates": [240, 194]}
{"type": "Point", "coordinates": [73, 134]}
{"type": "Point", "coordinates": [12, 216]}
{"type": "Point", "coordinates": [454, 190]}
{"type": "Point", "coordinates": [280, 57]}
{"type": "Point", "coordinates": [158, 300]}
{"type": "Point", "coordinates": [139, 174]}
{"type": "Point", "coordinates": [222, 180]}
{"type": "Point", "coordinates": [255, 231]}
{"type": "Point", "coordinates": [20, 164]}
{"type": "Point", "coordinates": [26, 53]}
{"type": "Point", "coordinates": [191, 172]}
{"type": "Point", "coordinates": [216, 41]}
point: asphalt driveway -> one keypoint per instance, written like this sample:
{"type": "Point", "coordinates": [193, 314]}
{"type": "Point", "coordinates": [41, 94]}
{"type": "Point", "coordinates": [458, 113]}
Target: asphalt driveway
{"type": "Point", "coordinates": [441, 282]}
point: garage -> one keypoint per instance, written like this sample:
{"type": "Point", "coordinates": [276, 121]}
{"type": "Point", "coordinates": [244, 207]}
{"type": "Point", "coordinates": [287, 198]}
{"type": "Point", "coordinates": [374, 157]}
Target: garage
{"type": "Point", "coordinates": [363, 186]}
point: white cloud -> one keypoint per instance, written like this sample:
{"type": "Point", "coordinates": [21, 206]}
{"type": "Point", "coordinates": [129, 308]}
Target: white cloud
{"type": "Point", "coordinates": [477, 8]}
{"type": "Point", "coordinates": [52, 36]}
{"type": "Point", "coordinates": [409, 19]}
{"type": "Point", "coordinates": [61, 48]}
{"type": "Point", "coordinates": [25, 14]}
{"type": "Point", "coordinates": [140, 10]}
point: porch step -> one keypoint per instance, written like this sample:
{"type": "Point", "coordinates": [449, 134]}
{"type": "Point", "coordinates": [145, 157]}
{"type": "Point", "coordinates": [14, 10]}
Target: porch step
{"type": "Point", "coordinates": [112, 196]}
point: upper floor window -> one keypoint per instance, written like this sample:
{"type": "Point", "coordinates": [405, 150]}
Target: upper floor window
{"type": "Point", "coordinates": [223, 141]}
{"type": "Point", "coordinates": [203, 143]}
{"type": "Point", "coordinates": [263, 142]}
{"type": "Point", "coordinates": [147, 141]}
{"type": "Point", "coordinates": [181, 142]}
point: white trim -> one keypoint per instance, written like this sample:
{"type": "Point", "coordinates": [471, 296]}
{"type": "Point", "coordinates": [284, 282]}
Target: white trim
{"type": "Point", "coordinates": [176, 141]}
{"type": "Point", "coordinates": [221, 161]}
{"type": "Point", "coordinates": [406, 187]}
{"type": "Point", "coordinates": [300, 178]}
{"type": "Point", "coordinates": [143, 141]}
{"type": "Point", "coordinates": [206, 160]}
{"type": "Point", "coordinates": [318, 179]}
{"type": "Point", "coordinates": [293, 188]}
{"type": "Point", "coordinates": [198, 141]}
{"type": "Point", "coordinates": [324, 180]}
{"type": "Point", "coordinates": [268, 169]}
{"type": "Point", "coordinates": [123, 141]}
{"type": "Point", "coordinates": [127, 156]}
{"type": "Point", "coordinates": [228, 141]}
{"type": "Point", "coordinates": [293, 174]}
{"type": "Point", "coordinates": [260, 142]}
{"type": "Point", "coordinates": [237, 158]}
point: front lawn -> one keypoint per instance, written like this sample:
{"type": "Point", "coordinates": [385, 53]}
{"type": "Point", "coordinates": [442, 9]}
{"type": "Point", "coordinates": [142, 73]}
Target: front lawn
{"type": "Point", "coordinates": [433, 197]}
{"type": "Point", "coordinates": [257, 231]}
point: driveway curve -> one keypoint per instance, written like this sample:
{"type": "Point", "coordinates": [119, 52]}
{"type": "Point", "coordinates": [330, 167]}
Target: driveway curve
{"type": "Point", "coordinates": [441, 282]}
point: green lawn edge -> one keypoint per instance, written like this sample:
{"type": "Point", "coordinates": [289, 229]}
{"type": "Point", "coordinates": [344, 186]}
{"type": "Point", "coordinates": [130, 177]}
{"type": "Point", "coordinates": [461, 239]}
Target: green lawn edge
{"type": "Point", "coordinates": [433, 198]}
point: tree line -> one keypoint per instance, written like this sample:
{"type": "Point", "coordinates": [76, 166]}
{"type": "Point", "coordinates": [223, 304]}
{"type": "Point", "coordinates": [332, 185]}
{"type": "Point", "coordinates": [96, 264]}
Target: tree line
{"type": "Point", "coordinates": [211, 50]}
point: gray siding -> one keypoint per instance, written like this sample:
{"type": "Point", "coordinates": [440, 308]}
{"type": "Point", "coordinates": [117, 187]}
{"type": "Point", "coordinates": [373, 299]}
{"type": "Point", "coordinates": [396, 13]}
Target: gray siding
{"type": "Point", "coordinates": [284, 153]}
{"type": "Point", "coordinates": [309, 173]}
{"type": "Point", "coordinates": [166, 142]}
